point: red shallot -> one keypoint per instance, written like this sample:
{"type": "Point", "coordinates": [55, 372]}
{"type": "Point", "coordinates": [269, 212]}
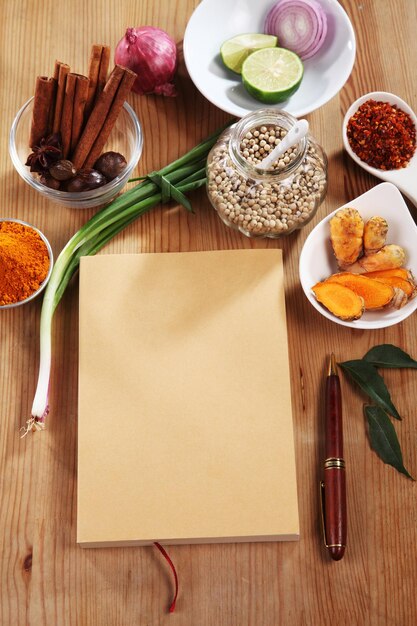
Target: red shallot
{"type": "Point", "coordinates": [300, 25]}
{"type": "Point", "coordinates": [152, 54]}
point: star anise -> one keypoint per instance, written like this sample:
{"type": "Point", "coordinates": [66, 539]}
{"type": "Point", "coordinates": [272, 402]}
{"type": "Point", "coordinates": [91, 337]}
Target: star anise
{"type": "Point", "coordinates": [45, 154]}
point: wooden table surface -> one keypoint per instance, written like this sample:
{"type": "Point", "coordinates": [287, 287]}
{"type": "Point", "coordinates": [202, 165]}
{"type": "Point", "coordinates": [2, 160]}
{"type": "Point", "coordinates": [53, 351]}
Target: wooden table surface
{"type": "Point", "coordinates": [45, 577]}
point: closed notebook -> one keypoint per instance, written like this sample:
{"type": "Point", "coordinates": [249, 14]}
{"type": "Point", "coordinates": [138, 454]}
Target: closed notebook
{"type": "Point", "coordinates": [185, 430]}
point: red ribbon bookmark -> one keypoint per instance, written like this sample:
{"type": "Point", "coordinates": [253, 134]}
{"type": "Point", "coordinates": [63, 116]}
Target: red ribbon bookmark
{"type": "Point", "coordinates": [174, 571]}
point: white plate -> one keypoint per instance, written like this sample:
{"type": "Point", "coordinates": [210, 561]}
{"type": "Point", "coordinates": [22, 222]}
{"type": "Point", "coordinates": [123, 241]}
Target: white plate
{"type": "Point", "coordinates": [215, 21]}
{"type": "Point", "coordinates": [317, 260]}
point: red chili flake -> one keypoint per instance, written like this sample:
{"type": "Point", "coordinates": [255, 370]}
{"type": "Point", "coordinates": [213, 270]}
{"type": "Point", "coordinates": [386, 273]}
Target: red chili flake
{"type": "Point", "coordinates": [382, 135]}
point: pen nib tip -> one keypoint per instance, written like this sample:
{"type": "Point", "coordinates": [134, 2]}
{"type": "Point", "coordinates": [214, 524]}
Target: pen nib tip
{"type": "Point", "coordinates": [332, 365]}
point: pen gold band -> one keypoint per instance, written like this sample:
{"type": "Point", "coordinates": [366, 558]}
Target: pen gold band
{"type": "Point", "coordinates": [334, 463]}
{"type": "Point", "coordinates": [335, 545]}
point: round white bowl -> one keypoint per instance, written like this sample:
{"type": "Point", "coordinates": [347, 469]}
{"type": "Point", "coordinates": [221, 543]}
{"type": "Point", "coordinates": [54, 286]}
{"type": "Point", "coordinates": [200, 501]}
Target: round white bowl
{"type": "Point", "coordinates": [215, 21]}
{"type": "Point", "coordinates": [35, 294]}
{"type": "Point", "coordinates": [126, 138]}
{"type": "Point", "coordinates": [317, 261]}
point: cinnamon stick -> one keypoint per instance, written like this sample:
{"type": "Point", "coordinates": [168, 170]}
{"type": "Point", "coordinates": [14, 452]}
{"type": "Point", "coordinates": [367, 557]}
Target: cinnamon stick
{"type": "Point", "coordinates": [44, 91]}
{"type": "Point", "coordinates": [117, 104]}
{"type": "Point", "coordinates": [52, 108]}
{"type": "Point", "coordinates": [61, 71]}
{"type": "Point", "coordinates": [67, 114]}
{"type": "Point", "coordinates": [56, 69]}
{"type": "Point", "coordinates": [103, 70]}
{"type": "Point", "coordinates": [93, 73]}
{"type": "Point", "coordinates": [97, 117]}
{"type": "Point", "coordinates": [80, 98]}
{"type": "Point", "coordinates": [93, 70]}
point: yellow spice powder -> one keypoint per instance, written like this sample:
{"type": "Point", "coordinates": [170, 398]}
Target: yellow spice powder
{"type": "Point", "coordinates": [24, 262]}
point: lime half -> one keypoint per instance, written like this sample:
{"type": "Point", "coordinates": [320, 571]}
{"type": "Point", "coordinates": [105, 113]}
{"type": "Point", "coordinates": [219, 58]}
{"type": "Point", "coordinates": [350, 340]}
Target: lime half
{"type": "Point", "coordinates": [234, 51]}
{"type": "Point", "coordinates": [272, 75]}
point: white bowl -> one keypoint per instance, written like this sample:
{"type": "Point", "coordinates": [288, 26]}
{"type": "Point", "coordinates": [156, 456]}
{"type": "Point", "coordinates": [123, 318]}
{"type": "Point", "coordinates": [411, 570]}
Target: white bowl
{"type": "Point", "coordinates": [215, 21]}
{"type": "Point", "coordinates": [406, 177]}
{"type": "Point", "coordinates": [317, 260]}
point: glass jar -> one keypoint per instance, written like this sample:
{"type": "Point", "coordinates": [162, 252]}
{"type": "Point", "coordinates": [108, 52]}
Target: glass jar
{"type": "Point", "coordinates": [263, 202]}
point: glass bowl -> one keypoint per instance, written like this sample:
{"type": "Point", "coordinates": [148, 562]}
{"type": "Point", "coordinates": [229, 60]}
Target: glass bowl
{"type": "Point", "coordinates": [51, 263]}
{"type": "Point", "coordinates": [126, 138]}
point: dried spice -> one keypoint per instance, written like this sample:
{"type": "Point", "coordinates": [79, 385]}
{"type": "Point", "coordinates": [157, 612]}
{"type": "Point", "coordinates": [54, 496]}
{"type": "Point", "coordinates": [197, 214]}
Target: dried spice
{"type": "Point", "coordinates": [24, 262]}
{"type": "Point", "coordinates": [62, 170]}
{"type": "Point", "coordinates": [80, 113]}
{"type": "Point", "coordinates": [110, 164]}
{"type": "Point", "coordinates": [382, 135]}
{"type": "Point", "coordinates": [85, 180]}
{"type": "Point", "coordinates": [45, 154]}
{"type": "Point", "coordinates": [49, 181]}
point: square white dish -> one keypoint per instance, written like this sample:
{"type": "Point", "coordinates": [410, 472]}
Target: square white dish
{"type": "Point", "coordinates": [317, 260]}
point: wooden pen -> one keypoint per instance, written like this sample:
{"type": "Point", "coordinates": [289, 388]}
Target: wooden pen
{"type": "Point", "coordinates": [333, 487]}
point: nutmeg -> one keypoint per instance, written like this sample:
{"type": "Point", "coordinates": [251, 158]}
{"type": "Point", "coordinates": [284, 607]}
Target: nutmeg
{"type": "Point", "coordinates": [49, 181]}
{"type": "Point", "coordinates": [85, 180]}
{"type": "Point", "coordinates": [110, 164]}
{"type": "Point", "coordinates": [62, 170]}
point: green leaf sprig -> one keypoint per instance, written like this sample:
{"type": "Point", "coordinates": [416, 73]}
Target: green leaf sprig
{"type": "Point", "coordinates": [382, 435]}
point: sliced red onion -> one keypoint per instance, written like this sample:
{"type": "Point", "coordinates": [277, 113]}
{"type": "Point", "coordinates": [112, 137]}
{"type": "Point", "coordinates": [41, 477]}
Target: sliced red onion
{"type": "Point", "coordinates": [296, 25]}
{"type": "Point", "coordinates": [300, 25]}
{"type": "Point", "coordinates": [319, 42]}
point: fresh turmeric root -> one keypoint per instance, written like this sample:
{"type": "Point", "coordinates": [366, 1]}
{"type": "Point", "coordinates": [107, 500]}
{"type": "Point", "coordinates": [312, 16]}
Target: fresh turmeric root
{"type": "Point", "coordinates": [400, 299]}
{"type": "Point", "coordinates": [339, 300]}
{"type": "Point", "coordinates": [375, 294]}
{"type": "Point", "coordinates": [402, 272]}
{"type": "Point", "coordinates": [374, 234]}
{"type": "Point", "coordinates": [373, 276]}
{"type": "Point", "coordinates": [400, 283]}
{"type": "Point", "coordinates": [346, 234]}
{"type": "Point", "coordinates": [399, 277]}
{"type": "Point", "coordinates": [390, 257]}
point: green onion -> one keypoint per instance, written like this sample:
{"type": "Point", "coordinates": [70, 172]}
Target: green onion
{"type": "Point", "coordinates": [186, 173]}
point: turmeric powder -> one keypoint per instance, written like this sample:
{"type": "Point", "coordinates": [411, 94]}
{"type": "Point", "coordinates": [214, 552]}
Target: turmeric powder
{"type": "Point", "coordinates": [24, 262]}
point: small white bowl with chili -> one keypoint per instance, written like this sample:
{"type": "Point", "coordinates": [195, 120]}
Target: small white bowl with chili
{"type": "Point", "coordinates": [386, 142]}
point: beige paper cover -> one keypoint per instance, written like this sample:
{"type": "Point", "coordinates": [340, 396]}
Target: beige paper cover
{"type": "Point", "coordinates": [185, 428]}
